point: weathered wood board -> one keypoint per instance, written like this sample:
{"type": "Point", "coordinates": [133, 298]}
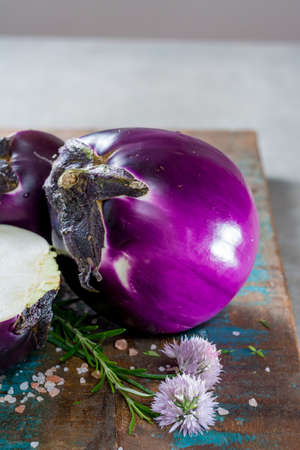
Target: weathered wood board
{"type": "Point", "coordinates": [100, 421]}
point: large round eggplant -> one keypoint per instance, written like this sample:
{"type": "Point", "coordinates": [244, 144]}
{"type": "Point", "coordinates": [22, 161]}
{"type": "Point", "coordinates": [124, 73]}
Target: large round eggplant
{"type": "Point", "coordinates": [29, 281]}
{"type": "Point", "coordinates": [25, 162]}
{"type": "Point", "coordinates": [168, 220]}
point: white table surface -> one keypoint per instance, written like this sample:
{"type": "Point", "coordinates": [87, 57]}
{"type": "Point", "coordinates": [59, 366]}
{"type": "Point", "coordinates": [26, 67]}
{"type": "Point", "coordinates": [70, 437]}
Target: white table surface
{"type": "Point", "coordinates": [47, 82]}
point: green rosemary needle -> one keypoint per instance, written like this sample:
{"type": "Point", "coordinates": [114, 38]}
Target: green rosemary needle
{"type": "Point", "coordinates": [264, 323]}
{"type": "Point", "coordinates": [151, 353]}
{"type": "Point", "coordinates": [85, 342]}
{"type": "Point", "coordinates": [255, 351]}
{"type": "Point", "coordinates": [226, 351]}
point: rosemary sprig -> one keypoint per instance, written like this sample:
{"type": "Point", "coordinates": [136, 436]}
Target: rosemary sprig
{"type": "Point", "coordinates": [85, 341]}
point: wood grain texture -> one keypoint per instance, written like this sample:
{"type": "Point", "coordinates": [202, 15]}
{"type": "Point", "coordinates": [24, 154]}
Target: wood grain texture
{"type": "Point", "coordinates": [100, 422]}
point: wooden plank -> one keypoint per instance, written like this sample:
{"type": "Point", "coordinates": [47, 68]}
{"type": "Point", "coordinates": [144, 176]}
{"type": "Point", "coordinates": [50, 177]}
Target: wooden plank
{"type": "Point", "coordinates": [101, 420]}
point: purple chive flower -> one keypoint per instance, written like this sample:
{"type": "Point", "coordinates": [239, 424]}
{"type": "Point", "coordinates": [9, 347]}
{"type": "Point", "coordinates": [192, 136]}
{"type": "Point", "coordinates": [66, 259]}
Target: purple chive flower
{"type": "Point", "coordinates": [196, 356]}
{"type": "Point", "coordinates": [184, 403]}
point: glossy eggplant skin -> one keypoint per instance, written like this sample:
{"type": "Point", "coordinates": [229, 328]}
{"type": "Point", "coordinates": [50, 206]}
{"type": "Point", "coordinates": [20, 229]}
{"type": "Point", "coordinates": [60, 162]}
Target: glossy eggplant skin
{"type": "Point", "coordinates": [29, 155]}
{"type": "Point", "coordinates": [14, 348]}
{"type": "Point", "coordinates": [176, 256]}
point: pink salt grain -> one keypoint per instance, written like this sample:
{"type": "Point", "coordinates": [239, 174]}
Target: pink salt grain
{"type": "Point", "coordinates": [20, 409]}
{"type": "Point", "coordinates": [133, 351]}
{"type": "Point", "coordinates": [121, 344]}
{"type": "Point", "coordinates": [54, 392]}
{"type": "Point", "coordinates": [38, 388]}
{"type": "Point", "coordinates": [96, 374]}
{"type": "Point", "coordinates": [54, 378]}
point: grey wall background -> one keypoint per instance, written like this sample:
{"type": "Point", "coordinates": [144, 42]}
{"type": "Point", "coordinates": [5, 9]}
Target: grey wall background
{"type": "Point", "coordinates": [200, 19]}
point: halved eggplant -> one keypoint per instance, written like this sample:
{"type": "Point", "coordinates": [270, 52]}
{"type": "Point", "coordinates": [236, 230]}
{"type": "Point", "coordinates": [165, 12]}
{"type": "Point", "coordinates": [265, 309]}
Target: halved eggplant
{"type": "Point", "coordinates": [29, 282]}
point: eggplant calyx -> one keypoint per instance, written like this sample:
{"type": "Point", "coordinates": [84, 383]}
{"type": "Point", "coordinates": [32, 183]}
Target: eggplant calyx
{"type": "Point", "coordinates": [78, 184]}
{"type": "Point", "coordinates": [5, 151]}
{"type": "Point", "coordinates": [37, 318]}
{"type": "Point", "coordinates": [8, 179]}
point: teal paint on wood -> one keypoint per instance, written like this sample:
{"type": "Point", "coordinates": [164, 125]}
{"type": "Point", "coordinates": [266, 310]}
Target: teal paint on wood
{"type": "Point", "coordinates": [28, 423]}
{"type": "Point", "coordinates": [215, 438]}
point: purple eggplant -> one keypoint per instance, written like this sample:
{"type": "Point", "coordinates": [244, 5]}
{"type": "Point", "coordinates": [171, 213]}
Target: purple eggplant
{"type": "Point", "coordinates": [166, 219]}
{"type": "Point", "coordinates": [25, 162]}
{"type": "Point", "coordinates": [29, 281]}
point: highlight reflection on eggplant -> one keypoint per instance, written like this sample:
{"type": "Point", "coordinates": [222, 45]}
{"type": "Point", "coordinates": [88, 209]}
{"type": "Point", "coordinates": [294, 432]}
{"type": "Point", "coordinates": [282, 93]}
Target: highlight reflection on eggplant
{"type": "Point", "coordinates": [29, 281]}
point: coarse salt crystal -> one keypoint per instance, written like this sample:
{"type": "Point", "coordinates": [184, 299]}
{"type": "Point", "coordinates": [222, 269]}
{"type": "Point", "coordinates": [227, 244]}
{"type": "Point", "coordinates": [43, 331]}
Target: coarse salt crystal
{"type": "Point", "coordinates": [161, 369]}
{"type": "Point", "coordinates": [57, 367]}
{"type": "Point", "coordinates": [9, 399]}
{"type": "Point", "coordinates": [81, 370]}
{"type": "Point", "coordinates": [253, 402]}
{"type": "Point", "coordinates": [30, 394]}
{"type": "Point", "coordinates": [49, 385]}
{"type": "Point", "coordinates": [40, 398]}
{"type": "Point", "coordinates": [222, 411]}
{"type": "Point", "coordinates": [41, 378]}
{"type": "Point", "coordinates": [84, 366]}
{"type": "Point", "coordinates": [153, 347]}
{"type": "Point", "coordinates": [54, 392]}
{"type": "Point", "coordinates": [133, 351]}
{"type": "Point", "coordinates": [10, 391]}
{"type": "Point", "coordinates": [267, 369]}
{"type": "Point", "coordinates": [66, 369]}
{"type": "Point", "coordinates": [121, 344]}
{"type": "Point", "coordinates": [34, 444]}
{"type": "Point", "coordinates": [58, 349]}
{"type": "Point", "coordinates": [82, 380]}
{"type": "Point", "coordinates": [236, 333]}
{"type": "Point", "coordinates": [131, 367]}
{"type": "Point", "coordinates": [24, 386]}
{"type": "Point", "coordinates": [120, 448]}
{"type": "Point", "coordinates": [41, 390]}
{"type": "Point", "coordinates": [20, 409]}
